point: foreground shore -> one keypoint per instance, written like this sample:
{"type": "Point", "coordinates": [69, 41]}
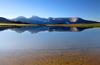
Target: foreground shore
{"type": "Point", "coordinates": [89, 56]}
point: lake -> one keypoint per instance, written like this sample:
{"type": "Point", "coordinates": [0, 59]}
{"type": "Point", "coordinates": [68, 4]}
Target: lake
{"type": "Point", "coordinates": [49, 46]}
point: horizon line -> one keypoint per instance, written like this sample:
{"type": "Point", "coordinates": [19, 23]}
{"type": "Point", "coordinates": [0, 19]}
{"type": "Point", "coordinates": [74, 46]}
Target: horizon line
{"type": "Point", "coordinates": [94, 19]}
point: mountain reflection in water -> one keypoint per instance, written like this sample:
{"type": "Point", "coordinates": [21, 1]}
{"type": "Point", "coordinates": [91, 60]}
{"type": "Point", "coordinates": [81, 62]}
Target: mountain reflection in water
{"type": "Point", "coordinates": [43, 28]}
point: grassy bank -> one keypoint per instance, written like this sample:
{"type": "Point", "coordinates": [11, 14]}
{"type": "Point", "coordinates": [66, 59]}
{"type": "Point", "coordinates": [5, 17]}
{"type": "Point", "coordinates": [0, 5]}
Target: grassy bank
{"type": "Point", "coordinates": [16, 25]}
{"type": "Point", "coordinates": [65, 25]}
{"type": "Point", "coordinates": [76, 25]}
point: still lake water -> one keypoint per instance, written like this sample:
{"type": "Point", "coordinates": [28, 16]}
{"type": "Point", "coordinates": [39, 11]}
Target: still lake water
{"type": "Point", "coordinates": [49, 38]}
{"type": "Point", "coordinates": [49, 46]}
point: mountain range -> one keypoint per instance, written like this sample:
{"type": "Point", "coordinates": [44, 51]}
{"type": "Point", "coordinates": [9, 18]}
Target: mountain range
{"type": "Point", "coordinates": [50, 20]}
{"type": "Point", "coordinates": [5, 20]}
{"type": "Point", "coordinates": [32, 20]}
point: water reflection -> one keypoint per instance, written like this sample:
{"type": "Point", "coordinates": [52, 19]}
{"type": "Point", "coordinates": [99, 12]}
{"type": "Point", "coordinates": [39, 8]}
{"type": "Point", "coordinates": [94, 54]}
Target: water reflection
{"type": "Point", "coordinates": [43, 28]}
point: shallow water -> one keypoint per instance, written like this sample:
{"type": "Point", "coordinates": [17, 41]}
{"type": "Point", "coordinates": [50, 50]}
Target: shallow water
{"type": "Point", "coordinates": [17, 44]}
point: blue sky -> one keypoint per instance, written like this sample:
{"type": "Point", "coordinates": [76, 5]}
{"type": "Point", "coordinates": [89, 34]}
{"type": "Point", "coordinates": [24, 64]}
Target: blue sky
{"type": "Point", "coordinates": [88, 9]}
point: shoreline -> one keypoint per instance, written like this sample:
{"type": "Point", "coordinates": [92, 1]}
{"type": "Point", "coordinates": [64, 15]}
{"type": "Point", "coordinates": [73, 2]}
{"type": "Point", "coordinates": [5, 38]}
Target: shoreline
{"type": "Point", "coordinates": [50, 25]}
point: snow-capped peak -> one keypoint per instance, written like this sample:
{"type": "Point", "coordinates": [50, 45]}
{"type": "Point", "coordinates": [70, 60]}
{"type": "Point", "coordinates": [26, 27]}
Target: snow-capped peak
{"type": "Point", "coordinates": [73, 19]}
